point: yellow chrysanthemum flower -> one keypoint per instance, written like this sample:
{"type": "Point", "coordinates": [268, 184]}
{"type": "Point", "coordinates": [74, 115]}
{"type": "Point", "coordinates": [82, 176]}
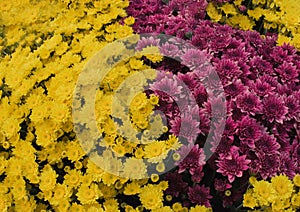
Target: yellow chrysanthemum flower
{"type": "Point", "coordinates": [88, 194]}
{"type": "Point", "coordinates": [132, 188]}
{"type": "Point", "coordinates": [282, 186]}
{"type": "Point", "coordinates": [151, 197]}
{"type": "Point", "coordinates": [263, 192]}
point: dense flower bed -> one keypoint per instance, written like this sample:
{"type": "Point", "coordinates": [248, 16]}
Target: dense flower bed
{"type": "Point", "coordinates": [253, 164]}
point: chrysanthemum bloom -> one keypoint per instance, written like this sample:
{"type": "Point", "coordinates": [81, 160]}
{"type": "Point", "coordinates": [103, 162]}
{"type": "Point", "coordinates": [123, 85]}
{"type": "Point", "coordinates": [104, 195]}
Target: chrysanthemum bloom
{"type": "Point", "coordinates": [287, 165]}
{"type": "Point", "coordinates": [200, 195]}
{"type": "Point", "coordinates": [287, 72]}
{"type": "Point", "coordinates": [266, 144]}
{"type": "Point", "coordinates": [249, 131]}
{"type": "Point", "coordinates": [198, 174]}
{"type": "Point", "coordinates": [222, 185]}
{"type": "Point", "coordinates": [192, 156]}
{"type": "Point", "coordinates": [168, 85]}
{"type": "Point", "coordinates": [293, 106]}
{"type": "Point", "coordinates": [232, 165]}
{"type": "Point", "coordinates": [282, 186]}
{"type": "Point", "coordinates": [274, 109]}
{"type": "Point", "coordinates": [261, 87]}
{"type": "Point", "coordinates": [169, 50]}
{"type": "Point", "coordinates": [220, 43]}
{"type": "Point", "coordinates": [193, 58]}
{"type": "Point", "coordinates": [233, 88]}
{"type": "Point", "coordinates": [280, 55]}
{"type": "Point", "coordinates": [228, 69]}
{"type": "Point", "coordinates": [200, 94]}
{"type": "Point", "coordinates": [186, 127]}
{"type": "Point", "coordinates": [268, 165]}
{"type": "Point", "coordinates": [249, 103]}
{"type": "Point", "coordinates": [151, 196]}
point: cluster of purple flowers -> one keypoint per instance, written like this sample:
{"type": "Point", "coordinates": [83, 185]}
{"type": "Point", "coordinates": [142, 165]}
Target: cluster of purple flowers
{"type": "Point", "coordinates": [262, 89]}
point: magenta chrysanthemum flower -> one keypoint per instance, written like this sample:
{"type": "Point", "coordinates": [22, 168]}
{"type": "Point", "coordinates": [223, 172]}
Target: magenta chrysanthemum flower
{"type": "Point", "coordinates": [293, 106]}
{"type": "Point", "coordinates": [222, 146]}
{"type": "Point", "coordinates": [287, 165]}
{"type": "Point", "coordinates": [144, 42]}
{"type": "Point", "coordinates": [198, 174]}
{"type": "Point", "coordinates": [186, 127]}
{"type": "Point", "coordinates": [280, 55]}
{"type": "Point", "coordinates": [169, 86]}
{"type": "Point", "coordinates": [193, 58]}
{"type": "Point", "coordinates": [232, 165]}
{"type": "Point", "coordinates": [274, 109]}
{"type": "Point", "coordinates": [262, 88]}
{"type": "Point", "coordinates": [266, 144]}
{"type": "Point", "coordinates": [220, 43]}
{"type": "Point", "coordinates": [249, 131]}
{"type": "Point", "coordinates": [249, 103]}
{"type": "Point", "coordinates": [222, 185]}
{"type": "Point", "coordinates": [228, 69]}
{"type": "Point", "coordinates": [200, 195]}
{"type": "Point", "coordinates": [233, 88]}
{"type": "Point", "coordinates": [169, 50]}
{"type": "Point", "coordinates": [192, 156]}
{"type": "Point", "coordinates": [268, 165]}
{"type": "Point", "coordinates": [287, 72]}
{"type": "Point", "coordinates": [259, 65]}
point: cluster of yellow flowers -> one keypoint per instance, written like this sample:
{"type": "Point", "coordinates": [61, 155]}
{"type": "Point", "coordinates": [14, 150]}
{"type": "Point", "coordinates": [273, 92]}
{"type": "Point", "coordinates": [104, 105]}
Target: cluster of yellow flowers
{"type": "Point", "coordinates": [275, 15]}
{"type": "Point", "coordinates": [281, 194]}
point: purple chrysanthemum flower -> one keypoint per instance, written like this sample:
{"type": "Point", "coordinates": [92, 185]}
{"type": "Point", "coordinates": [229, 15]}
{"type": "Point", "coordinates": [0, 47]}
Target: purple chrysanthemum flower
{"type": "Point", "coordinates": [189, 79]}
{"type": "Point", "coordinates": [169, 86]}
{"type": "Point", "coordinates": [287, 72]}
{"type": "Point", "coordinates": [232, 165]}
{"type": "Point", "coordinates": [200, 195]}
{"type": "Point", "coordinates": [220, 43]}
{"type": "Point", "coordinates": [238, 54]}
{"type": "Point", "coordinates": [249, 103]}
{"type": "Point", "coordinates": [267, 144]}
{"type": "Point", "coordinates": [249, 131]}
{"type": "Point", "coordinates": [233, 88]}
{"type": "Point", "coordinates": [280, 55]}
{"type": "Point", "coordinates": [198, 175]}
{"type": "Point", "coordinates": [144, 42]}
{"type": "Point", "coordinates": [268, 165]}
{"type": "Point", "coordinates": [222, 146]}
{"type": "Point", "coordinates": [186, 127]}
{"type": "Point", "coordinates": [222, 185]}
{"type": "Point", "coordinates": [287, 165]}
{"type": "Point", "coordinates": [274, 109]}
{"type": "Point", "coordinates": [192, 156]}
{"type": "Point", "coordinates": [200, 94]}
{"type": "Point", "coordinates": [204, 124]}
{"type": "Point", "coordinates": [228, 69]}
{"type": "Point", "coordinates": [193, 58]}
{"type": "Point", "coordinates": [169, 50]}
{"type": "Point", "coordinates": [262, 88]}
{"type": "Point", "coordinates": [261, 66]}
{"type": "Point", "coordinates": [293, 106]}
{"type": "Point", "coordinates": [176, 185]}
{"type": "Point", "coordinates": [215, 108]}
